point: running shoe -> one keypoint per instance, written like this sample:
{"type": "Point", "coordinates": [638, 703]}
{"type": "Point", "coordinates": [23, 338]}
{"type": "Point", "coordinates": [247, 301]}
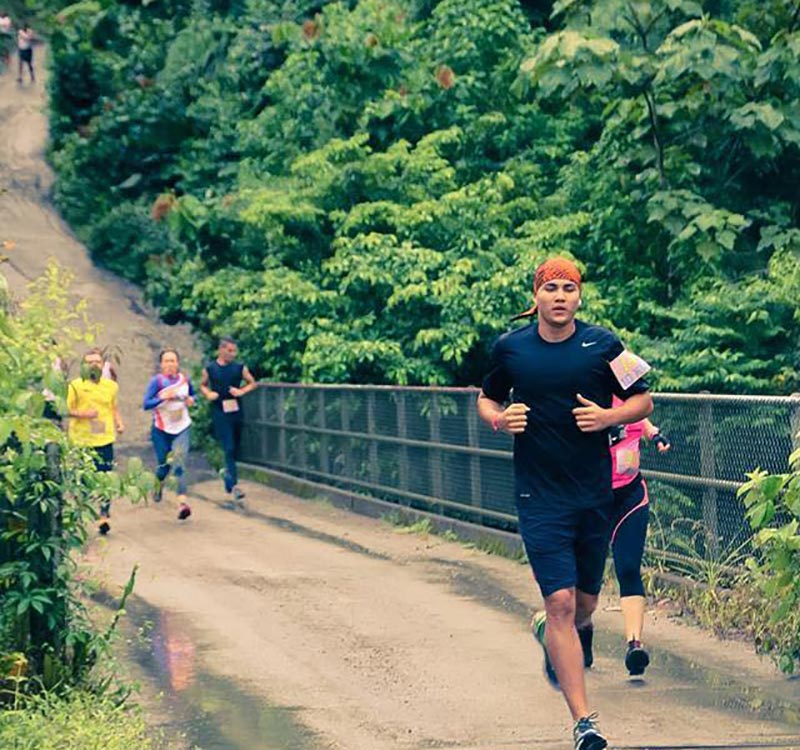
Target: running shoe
{"type": "Point", "coordinates": [637, 659]}
{"type": "Point", "coordinates": [586, 734]}
{"type": "Point", "coordinates": [184, 512]}
{"type": "Point", "coordinates": [157, 492]}
{"type": "Point", "coordinates": [538, 624]}
{"type": "Point", "coordinates": [586, 635]}
{"type": "Point", "coordinates": [238, 494]}
{"type": "Point", "coordinates": [105, 513]}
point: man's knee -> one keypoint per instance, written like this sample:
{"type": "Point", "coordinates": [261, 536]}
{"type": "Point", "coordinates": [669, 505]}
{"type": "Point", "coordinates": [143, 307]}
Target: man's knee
{"type": "Point", "coordinates": [560, 606]}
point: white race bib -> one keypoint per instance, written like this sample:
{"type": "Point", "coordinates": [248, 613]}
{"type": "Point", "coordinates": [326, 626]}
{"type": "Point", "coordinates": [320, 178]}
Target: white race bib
{"type": "Point", "coordinates": [628, 368]}
{"type": "Point", "coordinates": [230, 405]}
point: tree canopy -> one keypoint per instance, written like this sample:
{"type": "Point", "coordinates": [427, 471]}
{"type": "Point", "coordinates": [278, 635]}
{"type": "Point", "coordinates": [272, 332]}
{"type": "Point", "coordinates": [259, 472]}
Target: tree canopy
{"type": "Point", "coordinates": [359, 191]}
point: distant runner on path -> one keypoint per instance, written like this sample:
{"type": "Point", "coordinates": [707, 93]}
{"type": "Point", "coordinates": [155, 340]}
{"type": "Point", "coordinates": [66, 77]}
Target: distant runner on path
{"type": "Point", "coordinates": [222, 386]}
{"type": "Point", "coordinates": [6, 38]}
{"type": "Point", "coordinates": [169, 395]}
{"type": "Point", "coordinates": [25, 40]}
{"type": "Point", "coordinates": [94, 418]}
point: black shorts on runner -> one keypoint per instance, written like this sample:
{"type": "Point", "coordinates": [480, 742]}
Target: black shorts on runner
{"type": "Point", "coordinates": [26, 55]}
{"type": "Point", "coordinates": [566, 547]}
{"type": "Point", "coordinates": [104, 457]}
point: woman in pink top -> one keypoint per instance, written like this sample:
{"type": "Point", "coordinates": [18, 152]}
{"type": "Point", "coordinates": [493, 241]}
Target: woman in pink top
{"type": "Point", "coordinates": [630, 530]}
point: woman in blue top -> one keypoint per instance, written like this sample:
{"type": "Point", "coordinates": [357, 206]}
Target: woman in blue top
{"type": "Point", "coordinates": [169, 395]}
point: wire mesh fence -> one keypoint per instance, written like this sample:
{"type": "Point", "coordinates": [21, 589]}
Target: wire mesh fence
{"type": "Point", "coordinates": [426, 448]}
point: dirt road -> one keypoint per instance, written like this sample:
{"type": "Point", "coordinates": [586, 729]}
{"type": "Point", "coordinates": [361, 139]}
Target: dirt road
{"type": "Point", "coordinates": [27, 218]}
{"type": "Point", "coordinates": [374, 640]}
{"type": "Point", "coordinates": [381, 640]}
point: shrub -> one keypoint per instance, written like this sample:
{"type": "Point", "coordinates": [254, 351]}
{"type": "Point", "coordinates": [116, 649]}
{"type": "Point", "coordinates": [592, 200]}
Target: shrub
{"type": "Point", "coordinates": [127, 238]}
{"type": "Point", "coordinates": [74, 720]}
{"type": "Point", "coordinates": [773, 509]}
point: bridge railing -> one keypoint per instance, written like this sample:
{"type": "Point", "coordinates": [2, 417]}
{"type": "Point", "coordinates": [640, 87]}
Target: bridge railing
{"type": "Point", "coordinates": [426, 448]}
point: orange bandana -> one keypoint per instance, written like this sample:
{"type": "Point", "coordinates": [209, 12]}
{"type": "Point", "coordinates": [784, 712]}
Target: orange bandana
{"type": "Point", "coordinates": [553, 268]}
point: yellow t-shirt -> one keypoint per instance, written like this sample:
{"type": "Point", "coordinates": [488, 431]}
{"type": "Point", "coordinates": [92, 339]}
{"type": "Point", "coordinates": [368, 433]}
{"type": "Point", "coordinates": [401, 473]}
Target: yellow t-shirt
{"type": "Point", "coordinates": [85, 395]}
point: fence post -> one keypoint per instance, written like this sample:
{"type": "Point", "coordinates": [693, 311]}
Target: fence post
{"type": "Point", "coordinates": [346, 441]}
{"type": "Point", "coordinates": [402, 432]}
{"type": "Point", "coordinates": [708, 461]}
{"type": "Point", "coordinates": [435, 453]}
{"type": "Point", "coordinates": [280, 397]}
{"type": "Point", "coordinates": [473, 438]}
{"type": "Point", "coordinates": [301, 433]}
{"type": "Point", "coordinates": [323, 438]}
{"type": "Point", "coordinates": [794, 423]}
{"type": "Point", "coordinates": [374, 473]}
{"type": "Point", "coordinates": [263, 429]}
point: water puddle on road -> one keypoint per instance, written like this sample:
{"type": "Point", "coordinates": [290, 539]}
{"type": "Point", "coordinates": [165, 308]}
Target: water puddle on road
{"type": "Point", "coordinates": [209, 711]}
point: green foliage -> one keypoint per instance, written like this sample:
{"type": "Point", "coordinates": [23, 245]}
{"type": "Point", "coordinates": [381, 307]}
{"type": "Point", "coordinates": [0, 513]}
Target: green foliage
{"type": "Point", "coordinates": [49, 489]}
{"type": "Point", "coordinates": [76, 719]}
{"type": "Point", "coordinates": [360, 191]}
{"type": "Point", "coordinates": [773, 509]}
{"type": "Point", "coordinates": [126, 239]}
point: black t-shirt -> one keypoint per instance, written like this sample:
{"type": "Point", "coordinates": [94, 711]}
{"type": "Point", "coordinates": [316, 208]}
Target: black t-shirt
{"type": "Point", "coordinates": [221, 378]}
{"type": "Point", "coordinates": [556, 464]}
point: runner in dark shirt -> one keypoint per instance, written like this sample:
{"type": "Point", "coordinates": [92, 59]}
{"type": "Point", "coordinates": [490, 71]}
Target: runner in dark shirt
{"type": "Point", "coordinates": [221, 384]}
{"type": "Point", "coordinates": [560, 375]}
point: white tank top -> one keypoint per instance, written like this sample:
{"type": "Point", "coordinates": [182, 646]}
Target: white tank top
{"type": "Point", "coordinates": [173, 416]}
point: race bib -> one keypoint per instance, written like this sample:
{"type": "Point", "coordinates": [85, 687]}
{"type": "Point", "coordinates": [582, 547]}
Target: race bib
{"type": "Point", "coordinates": [97, 426]}
{"type": "Point", "coordinates": [627, 461]}
{"type": "Point", "coordinates": [628, 368]}
{"type": "Point", "coordinates": [175, 416]}
{"type": "Point", "coordinates": [230, 405]}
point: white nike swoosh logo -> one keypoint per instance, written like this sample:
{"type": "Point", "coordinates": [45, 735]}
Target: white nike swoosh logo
{"type": "Point", "coordinates": [588, 343]}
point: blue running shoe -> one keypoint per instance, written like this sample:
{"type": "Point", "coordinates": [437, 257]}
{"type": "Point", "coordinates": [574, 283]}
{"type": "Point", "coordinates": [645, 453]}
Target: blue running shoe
{"type": "Point", "coordinates": [586, 734]}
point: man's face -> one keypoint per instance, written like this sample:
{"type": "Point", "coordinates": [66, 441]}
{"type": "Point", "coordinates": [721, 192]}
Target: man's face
{"type": "Point", "coordinates": [228, 352]}
{"type": "Point", "coordinates": [94, 365]}
{"type": "Point", "coordinates": [557, 302]}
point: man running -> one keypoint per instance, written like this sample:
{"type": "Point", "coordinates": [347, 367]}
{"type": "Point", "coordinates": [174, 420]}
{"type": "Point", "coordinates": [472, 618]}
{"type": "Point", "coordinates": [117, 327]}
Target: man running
{"type": "Point", "coordinates": [221, 384]}
{"type": "Point", "coordinates": [169, 395]}
{"type": "Point", "coordinates": [25, 40]}
{"type": "Point", "coordinates": [561, 374]}
{"type": "Point", "coordinates": [93, 417]}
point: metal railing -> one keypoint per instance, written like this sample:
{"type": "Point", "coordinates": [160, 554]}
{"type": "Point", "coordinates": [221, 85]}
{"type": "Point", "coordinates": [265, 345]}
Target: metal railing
{"type": "Point", "coordinates": [426, 448]}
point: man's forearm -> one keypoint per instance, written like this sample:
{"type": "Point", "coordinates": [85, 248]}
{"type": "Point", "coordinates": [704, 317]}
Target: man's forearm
{"type": "Point", "coordinates": [635, 408]}
{"type": "Point", "coordinates": [488, 410]}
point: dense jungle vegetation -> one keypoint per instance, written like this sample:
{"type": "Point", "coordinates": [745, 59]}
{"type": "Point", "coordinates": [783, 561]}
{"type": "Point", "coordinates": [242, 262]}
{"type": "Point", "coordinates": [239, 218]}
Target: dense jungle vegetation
{"type": "Point", "coordinates": [359, 191]}
{"type": "Point", "coordinates": [58, 687]}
